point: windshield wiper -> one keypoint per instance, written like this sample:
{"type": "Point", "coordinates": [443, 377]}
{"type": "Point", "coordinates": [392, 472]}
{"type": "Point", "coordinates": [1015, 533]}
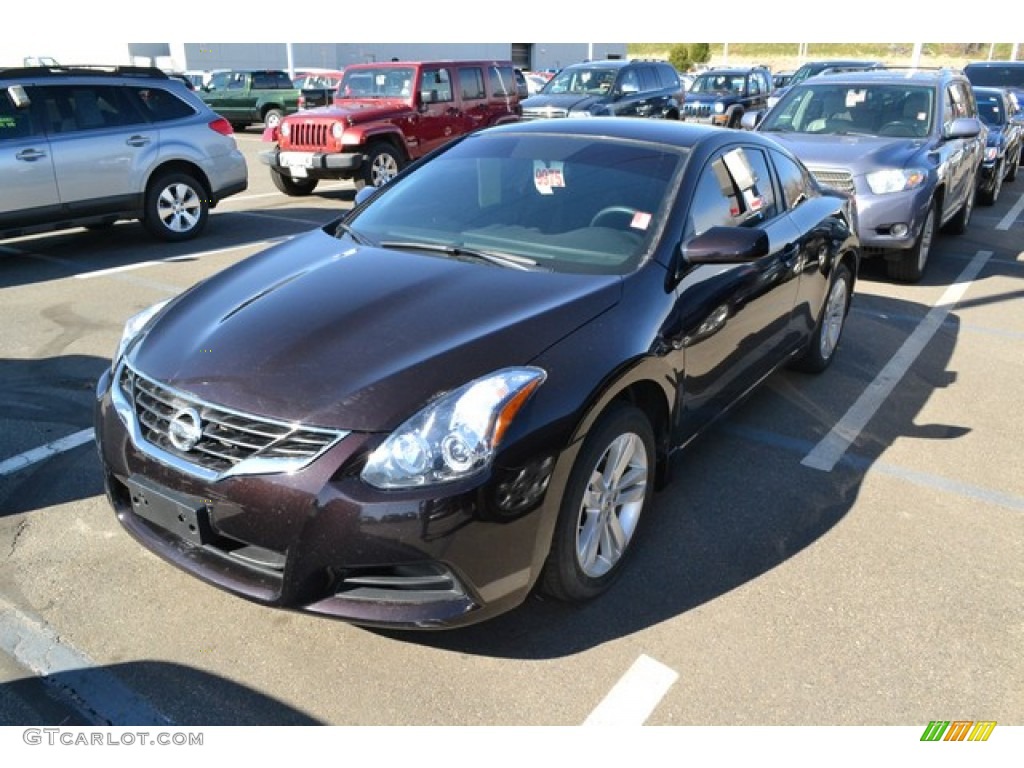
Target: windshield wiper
{"type": "Point", "coordinates": [460, 251]}
{"type": "Point", "coordinates": [361, 239]}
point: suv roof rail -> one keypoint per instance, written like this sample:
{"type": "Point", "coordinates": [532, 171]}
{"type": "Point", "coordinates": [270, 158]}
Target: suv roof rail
{"type": "Point", "coordinates": [917, 69]}
{"type": "Point", "coordinates": [84, 70]}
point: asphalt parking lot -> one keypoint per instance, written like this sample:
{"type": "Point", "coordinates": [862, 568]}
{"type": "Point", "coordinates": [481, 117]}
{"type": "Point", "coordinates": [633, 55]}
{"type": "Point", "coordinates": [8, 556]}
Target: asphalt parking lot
{"type": "Point", "coordinates": [841, 550]}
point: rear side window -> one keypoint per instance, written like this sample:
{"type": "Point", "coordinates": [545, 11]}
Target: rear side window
{"type": "Point", "coordinates": [271, 80]}
{"type": "Point", "coordinates": [648, 79]}
{"type": "Point", "coordinates": [85, 107]}
{"type": "Point", "coordinates": [159, 105]}
{"type": "Point", "coordinates": [668, 78]}
{"type": "Point", "coordinates": [471, 83]}
{"type": "Point", "coordinates": [503, 81]}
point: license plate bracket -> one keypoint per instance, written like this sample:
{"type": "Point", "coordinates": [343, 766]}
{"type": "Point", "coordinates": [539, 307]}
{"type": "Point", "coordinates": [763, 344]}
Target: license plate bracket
{"type": "Point", "coordinates": [185, 516]}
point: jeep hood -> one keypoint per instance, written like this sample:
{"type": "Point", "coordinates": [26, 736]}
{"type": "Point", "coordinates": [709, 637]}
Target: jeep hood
{"type": "Point", "coordinates": [327, 333]}
{"type": "Point", "coordinates": [356, 110]}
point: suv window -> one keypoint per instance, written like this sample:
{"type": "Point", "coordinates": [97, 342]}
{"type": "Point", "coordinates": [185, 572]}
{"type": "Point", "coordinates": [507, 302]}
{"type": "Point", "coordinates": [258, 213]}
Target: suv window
{"type": "Point", "coordinates": [668, 77]}
{"type": "Point", "coordinates": [503, 81]}
{"type": "Point", "coordinates": [14, 123]}
{"type": "Point", "coordinates": [439, 81]}
{"type": "Point", "coordinates": [159, 105]}
{"type": "Point", "coordinates": [84, 107]}
{"type": "Point", "coordinates": [648, 79]}
{"type": "Point", "coordinates": [471, 83]}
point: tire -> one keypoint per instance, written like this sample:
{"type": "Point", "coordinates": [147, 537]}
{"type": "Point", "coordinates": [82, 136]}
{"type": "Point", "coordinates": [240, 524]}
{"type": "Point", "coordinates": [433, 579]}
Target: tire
{"type": "Point", "coordinates": [381, 165]}
{"type": "Point", "coordinates": [829, 330]}
{"type": "Point", "coordinates": [989, 197]}
{"type": "Point", "coordinates": [603, 504]}
{"type": "Point", "coordinates": [910, 266]}
{"type": "Point", "coordinates": [292, 187]}
{"type": "Point", "coordinates": [177, 207]}
{"type": "Point", "coordinates": [958, 224]}
{"type": "Point", "coordinates": [272, 118]}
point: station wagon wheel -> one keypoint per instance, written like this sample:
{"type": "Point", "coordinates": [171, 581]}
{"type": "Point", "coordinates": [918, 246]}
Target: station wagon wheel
{"type": "Point", "coordinates": [609, 488]}
{"type": "Point", "coordinates": [382, 164]}
{"type": "Point", "coordinates": [177, 207]}
{"type": "Point", "coordinates": [829, 329]}
{"type": "Point", "coordinates": [909, 267]}
{"type": "Point", "coordinates": [292, 187]}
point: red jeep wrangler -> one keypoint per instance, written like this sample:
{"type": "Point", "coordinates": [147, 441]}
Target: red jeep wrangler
{"type": "Point", "coordinates": [386, 115]}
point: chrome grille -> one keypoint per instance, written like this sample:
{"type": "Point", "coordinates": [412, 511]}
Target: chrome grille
{"type": "Point", "coordinates": [542, 113]}
{"type": "Point", "coordinates": [229, 438]}
{"type": "Point", "coordinates": [834, 179]}
{"type": "Point", "coordinates": [696, 110]}
{"type": "Point", "coordinates": [304, 134]}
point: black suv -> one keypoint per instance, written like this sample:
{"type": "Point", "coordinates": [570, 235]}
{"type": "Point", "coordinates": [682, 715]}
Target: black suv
{"type": "Point", "coordinates": [721, 96]}
{"type": "Point", "coordinates": [998, 74]}
{"type": "Point", "coordinates": [812, 68]}
{"type": "Point", "coordinates": [615, 88]}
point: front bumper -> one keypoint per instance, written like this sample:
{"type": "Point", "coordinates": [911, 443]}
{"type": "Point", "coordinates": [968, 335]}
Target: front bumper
{"type": "Point", "coordinates": [313, 165]}
{"type": "Point", "coordinates": [321, 541]}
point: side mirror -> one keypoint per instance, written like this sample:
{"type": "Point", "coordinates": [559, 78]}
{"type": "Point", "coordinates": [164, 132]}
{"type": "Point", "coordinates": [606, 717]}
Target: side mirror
{"type": "Point", "coordinates": [19, 97]}
{"type": "Point", "coordinates": [751, 120]}
{"type": "Point", "coordinates": [962, 128]}
{"type": "Point", "coordinates": [726, 245]}
{"type": "Point", "coordinates": [428, 97]}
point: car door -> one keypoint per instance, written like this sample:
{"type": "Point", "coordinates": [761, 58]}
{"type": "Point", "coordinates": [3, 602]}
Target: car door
{"type": "Point", "coordinates": [28, 194]}
{"type": "Point", "coordinates": [439, 120]}
{"type": "Point", "coordinates": [101, 147]}
{"type": "Point", "coordinates": [473, 110]}
{"type": "Point", "coordinates": [735, 320]}
{"type": "Point", "coordinates": [960, 156]}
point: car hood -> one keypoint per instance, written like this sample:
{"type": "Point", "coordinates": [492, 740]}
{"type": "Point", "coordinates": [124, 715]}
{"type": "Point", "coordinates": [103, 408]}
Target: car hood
{"type": "Point", "coordinates": [705, 96]}
{"type": "Point", "coordinates": [859, 154]}
{"type": "Point", "coordinates": [327, 333]}
{"type": "Point", "coordinates": [566, 101]}
{"type": "Point", "coordinates": [355, 109]}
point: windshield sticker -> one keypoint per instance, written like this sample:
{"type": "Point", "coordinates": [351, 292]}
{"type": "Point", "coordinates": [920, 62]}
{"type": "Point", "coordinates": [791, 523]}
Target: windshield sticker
{"type": "Point", "coordinates": [547, 176]}
{"type": "Point", "coordinates": [641, 220]}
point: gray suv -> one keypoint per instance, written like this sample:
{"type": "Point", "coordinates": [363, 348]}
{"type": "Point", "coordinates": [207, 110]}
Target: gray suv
{"type": "Point", "coordinates": [907, 144]}
{"type": "Point", "coordinates": [88, 146]}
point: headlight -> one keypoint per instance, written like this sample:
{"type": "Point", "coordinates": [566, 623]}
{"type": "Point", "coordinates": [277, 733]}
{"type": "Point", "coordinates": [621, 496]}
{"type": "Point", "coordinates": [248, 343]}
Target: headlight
{"type": "Point", "coordinates": [580, 113]}
{"type": "Point", "coordinates": [896, 179]}
{"type": "Point", "coordinates": [719, 107]}
{"type": "Point", "coordinates": [991, 153]}
{"type": "Point", "coordinates": [337, 130]}
{"type": "Point", "coordinates": [286, 128]}
{"type": "Point", "coordinates": [132, 328]}
{"type": "Point", "coordinates": [455, 436]}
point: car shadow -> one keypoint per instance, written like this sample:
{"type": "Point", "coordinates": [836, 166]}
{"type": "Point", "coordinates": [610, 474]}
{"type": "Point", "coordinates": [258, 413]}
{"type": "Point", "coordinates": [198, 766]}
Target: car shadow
{"type": "Point", "coordinates": [740, 503]}
{"type": "Point", "coordinates": [188, 696]}
{"type": "Point", "coordinates": [75, 252]}
{"type": "Point", "coordinates": [41, 401]}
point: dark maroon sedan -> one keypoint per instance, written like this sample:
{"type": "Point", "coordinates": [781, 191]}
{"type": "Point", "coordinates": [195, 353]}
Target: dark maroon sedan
{"type": "Point", "coordinates": [468, 387]}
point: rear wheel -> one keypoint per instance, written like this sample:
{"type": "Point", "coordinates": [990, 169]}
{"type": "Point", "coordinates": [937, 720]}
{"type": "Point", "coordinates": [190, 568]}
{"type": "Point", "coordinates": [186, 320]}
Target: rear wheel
{"type": "Point", "coordinates": [290, 186]}
{"type": "Point", "coordinates": [909, 267]}
{"type": "Point", "coordinates": [609, 488]}
{"type": "Point", "coordinates": [989, 197]}
{"type": "Point", "coordinates": [272, 118]}
{"type": "Point", "coordinates": [177, 207]}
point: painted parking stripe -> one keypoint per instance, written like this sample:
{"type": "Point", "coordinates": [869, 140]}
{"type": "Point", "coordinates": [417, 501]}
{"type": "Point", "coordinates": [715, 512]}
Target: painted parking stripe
{"type": "Point", "coordinates": [830, 450]}
{"type": "Point", "coordinates": [181, 257]}
{"type": "Point", "coordinates": [1012, 215]}
{"type": "Point", "coordinates": [632, 700]}
{"type": "Point", "coordinates": [27, 459]}
{"type": "Point", "coordinates": [95, 692]}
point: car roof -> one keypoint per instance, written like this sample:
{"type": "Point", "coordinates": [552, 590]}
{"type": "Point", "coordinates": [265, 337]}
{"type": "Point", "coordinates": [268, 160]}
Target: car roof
{"type": "Point", "coordinates": [884, 76]}
{"type": "Point", "coordinates": [994, 64]}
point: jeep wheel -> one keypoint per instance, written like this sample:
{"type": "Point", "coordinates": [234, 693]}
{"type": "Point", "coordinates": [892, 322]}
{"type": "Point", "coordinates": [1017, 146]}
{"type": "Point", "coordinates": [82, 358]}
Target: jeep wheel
{"type": "Point", "coordinates": [909, 266]}
{"type": "Point", "coordinates": [177, 207]}
{"type": "Point", "coordinates": [292, 187]}
{"type": "Point", "coordinates": [382, 164]}
{"type": "Point", "coordinates": [272, 118]}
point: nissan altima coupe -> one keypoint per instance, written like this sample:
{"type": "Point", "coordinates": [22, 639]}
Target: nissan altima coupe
{"type": "Point", "coordinates": [469, 387]}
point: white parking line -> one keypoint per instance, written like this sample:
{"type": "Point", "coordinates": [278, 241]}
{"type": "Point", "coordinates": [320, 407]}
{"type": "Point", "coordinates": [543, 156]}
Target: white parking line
{"type": "Point", "coordinates": [1012, 215]}
{"type": "Point", "coordinates": [171, 259]}
{"type": "Point", "coordinates": [632, 700]}
{"type": "Point", "coordinates": [827, 453]}
{"type": "Point", "coordinates": [22, 460]}
{"type": "Point", "coordinates": [99, 695]}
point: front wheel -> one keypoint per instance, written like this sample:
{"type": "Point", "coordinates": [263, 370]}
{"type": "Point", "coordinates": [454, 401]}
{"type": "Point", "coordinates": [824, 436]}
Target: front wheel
{"type": "Point", "coordinates": [609, 488]}
{"type": "Point", "coordinates": [177, 207]}
{"type": "Point", "coordinates": [958, 224]}
{"type": "Point", "coordinates": [381, 165]}
{"type": "Point", "coordinates": [822, 346]}
{"type": "Point", "coordinates": [292, 187]}
{"type": "Point", "coordinates": [909, 267]}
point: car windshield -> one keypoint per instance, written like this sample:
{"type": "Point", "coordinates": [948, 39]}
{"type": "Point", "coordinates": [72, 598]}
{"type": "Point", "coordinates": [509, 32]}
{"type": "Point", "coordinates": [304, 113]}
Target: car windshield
{"type": "Point", "coordinates": [866, 109]}
{"type": "Point", "coordinates": [717, 82]}
{"type": "Point", "coordinates": [554, 202]}
{"type": "Point", "coordinates": [990, 109]}
{"type": "Point", "coordinates": [378, 83]}
{"type": "Point", "coordinates": [592, 80]}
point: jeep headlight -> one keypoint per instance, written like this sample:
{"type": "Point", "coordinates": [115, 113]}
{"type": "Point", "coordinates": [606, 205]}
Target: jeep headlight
{"type": "Point", "coordinates": [895, 179]}
{"type": "Point", "coordinates": [286, 128]}
{"type": "Point", "coordinates": [454, 437]}
{"type": "Point", "coordinates": [719, 107]}
{"type": "Point", "coordinates": [337, 130]}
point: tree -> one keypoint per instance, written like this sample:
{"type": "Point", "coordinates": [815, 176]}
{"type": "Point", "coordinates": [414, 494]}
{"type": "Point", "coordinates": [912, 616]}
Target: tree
{"type": "Point", "coordinates": [700, 53]}
{"type": "Point", "coordinates": [679, 57]}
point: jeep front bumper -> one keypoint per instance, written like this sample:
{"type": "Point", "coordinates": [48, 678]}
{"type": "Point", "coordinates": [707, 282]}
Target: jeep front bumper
{"type": "Point", "coordinates": [315, 165]}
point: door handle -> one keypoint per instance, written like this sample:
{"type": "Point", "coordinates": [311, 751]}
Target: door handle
{"type": "Point", "coordinates": [30, 155]}
{"type": "Point", "coordinates": [137, 141]}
